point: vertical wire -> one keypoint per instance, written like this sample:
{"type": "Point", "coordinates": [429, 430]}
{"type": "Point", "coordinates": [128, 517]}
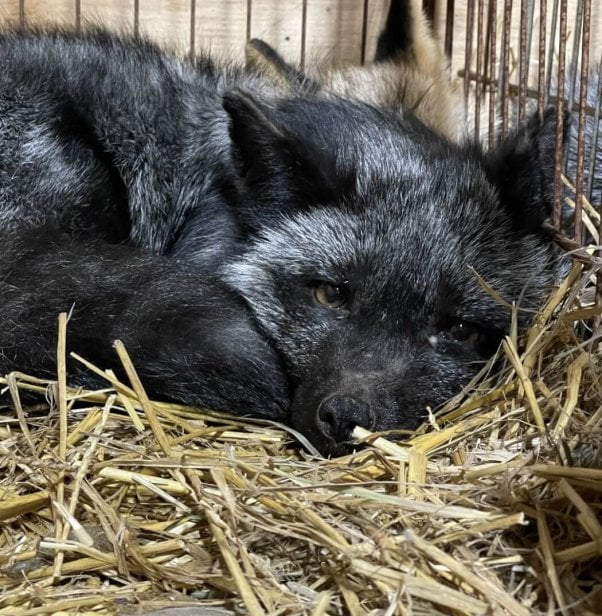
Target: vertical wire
{"type": "Point", "coordinates": [573, 69]}
{"type": "Point", "coordinates": [192, 29]}
{"type": "Point", "coordinates": [582, 119]}
{"type": "Point", "coordinates": [480, 87]}
{"type": "Point", "coordinates": [136, 17]}
{"type": "Point", "coordinates": [249, 14]}
{"type": "Point", "coordinates": [527, 17]}
{"type": "Point", "coordinates": [303, 33]}
{"type": "Point", "coordinates": [468, 49]}
{"type": "Point", "coordinates": [562, 34]}
{"type": "Point", "coordinates": [493, 92]}
{"type": "Point", "coordinates": [505, 66]}
{"type": "Point", "coordinates": [571, 82]}
{"type": "Point", "coordinates": [78, 15]}
{"type": "Point", "coordinates": [530, 16]}
{"type": "Point", "coordinates": [522, 63]}
{"type": "Point", "coordinates": [541, 61]}
{"type": "Point", "coordinates": [553, 27]}
{"type": "Point", "coordinates": [449, 28]}
{"type": "Point", "coordinates": [364, 31]}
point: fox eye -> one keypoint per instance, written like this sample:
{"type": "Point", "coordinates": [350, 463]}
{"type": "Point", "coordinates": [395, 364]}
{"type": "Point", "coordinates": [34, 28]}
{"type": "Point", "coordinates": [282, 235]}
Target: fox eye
{"type": "Point", "coordinates": [330, 295]}
{"type": "Point", "coordinates": [464, 332]}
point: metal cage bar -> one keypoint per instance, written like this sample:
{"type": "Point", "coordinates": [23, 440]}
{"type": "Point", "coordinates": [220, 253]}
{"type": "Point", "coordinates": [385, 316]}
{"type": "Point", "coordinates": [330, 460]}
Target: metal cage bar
{"type": "Point", "coordinates": [521, 57]}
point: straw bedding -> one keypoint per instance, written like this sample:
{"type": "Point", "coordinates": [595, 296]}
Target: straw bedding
{"type": "Point", "coordinates": [111, 503]}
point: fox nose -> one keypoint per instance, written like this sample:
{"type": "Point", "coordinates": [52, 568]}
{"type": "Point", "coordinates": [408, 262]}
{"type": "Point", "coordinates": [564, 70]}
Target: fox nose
{"type": "Point", "coordinates": [337, 415]}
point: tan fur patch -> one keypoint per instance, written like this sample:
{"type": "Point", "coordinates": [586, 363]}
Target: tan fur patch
{"type": "Point", "coordinates": [417, 81]}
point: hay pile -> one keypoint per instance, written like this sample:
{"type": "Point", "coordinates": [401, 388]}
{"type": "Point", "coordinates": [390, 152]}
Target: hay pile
{"type": "Point", "coordinates": [114, 504]}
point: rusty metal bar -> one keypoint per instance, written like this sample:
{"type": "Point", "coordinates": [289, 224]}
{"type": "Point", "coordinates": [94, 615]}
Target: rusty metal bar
{"type": "Point", "coordinates": [552, 46]}
{"type": "Point", "coordinates": [249, 14]}
{"type": "Point", "coordinates": [449, 28]}
{"type": "Point", "coordinates": [530, 15]}
{"type": "Point", "coordinates": [587, 13]}
{"type": "Point", "coordinates": [78, 15]}
{"type": "Point", "coordinates": [468, 49]}
{"type": "Point", "coordinates": [541, 58]}
{"type": "Point", "coordinates": [136, 17]}
{"type": "Point", "coordinates": [504, 87]}
{"type": "Point", "coordinates": [573, 69]}
{"type": "Point", "coordinates": [562, 34]}
{"type": "Point", "coordinates": [523, 62]}
{"type": "Point", "coordinates": [492, 32]}
{"type": "Point", "coordinates": [364, 31]}
{"type": "Point", "coordinates": [571, 82]}
{"type": "Point", "coordinates": [528, 18]}
{"type": "Point", "coordinates": [303, 33]}
{"type": "Point", "coordinates": [480, 88]}
{"type": "Point", "coordinates": [192, 29]}
{"type": "Point", "coordinates": [486, 49]}
{"type": "Point", "coordinates": [590, 110]}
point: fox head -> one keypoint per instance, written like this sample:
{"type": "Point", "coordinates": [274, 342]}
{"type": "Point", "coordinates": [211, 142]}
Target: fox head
{"type": "Point", "coordinates": [365, 237]}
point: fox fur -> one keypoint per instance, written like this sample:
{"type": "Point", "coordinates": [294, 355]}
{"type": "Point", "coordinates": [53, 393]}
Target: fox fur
{"type": "Point", "coordinates": [302, 256]}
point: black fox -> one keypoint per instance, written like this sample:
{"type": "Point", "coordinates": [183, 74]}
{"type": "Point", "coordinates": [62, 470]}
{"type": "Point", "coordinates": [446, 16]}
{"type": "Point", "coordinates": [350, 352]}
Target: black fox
{"type": "Point", "coordinates": [283, 254]}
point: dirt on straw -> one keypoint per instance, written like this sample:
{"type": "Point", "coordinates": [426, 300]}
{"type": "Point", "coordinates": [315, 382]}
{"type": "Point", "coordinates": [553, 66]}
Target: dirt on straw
{"type": "Point", "coordinates": [113, 504]}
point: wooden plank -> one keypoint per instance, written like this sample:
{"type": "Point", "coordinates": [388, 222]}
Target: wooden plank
{"type": "Point", "coordinates": [279, 24]}
{"type": "Point", "coordinates": [115, 14]}
{"type": "Point", "coordinates": [221, 27]}
{"type": "Point", "coordinates": [377, 15]}
{"type": "Point", "coordinates": [9, 11]}
{"type": "Point", "coordinates": [334, 30]}
{"type": "Point", "coordinates": [60, 12]}
{"type": "Point", "coordinates": [167, 21]}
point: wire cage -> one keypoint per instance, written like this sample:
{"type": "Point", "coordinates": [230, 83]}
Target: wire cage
{"type": "Point", "coordinates": [517, 56]}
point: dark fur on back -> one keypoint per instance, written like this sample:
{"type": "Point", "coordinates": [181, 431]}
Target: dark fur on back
{"type": "Point", "coordinates": [203, 216]}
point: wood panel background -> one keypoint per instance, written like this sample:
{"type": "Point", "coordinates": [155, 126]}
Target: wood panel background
{"type": "Point", "coordinates": [333, 27]}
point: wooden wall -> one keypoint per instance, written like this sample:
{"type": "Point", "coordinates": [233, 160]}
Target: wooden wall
{"type": "Point", "coordinates": [333, 27]}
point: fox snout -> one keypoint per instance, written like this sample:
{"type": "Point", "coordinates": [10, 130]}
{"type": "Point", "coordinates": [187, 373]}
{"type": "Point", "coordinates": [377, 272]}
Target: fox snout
{"type": "Point", "coordinates": [338, 414]}
{"type": "Point", "coordinates": [379, 395]}
{"type": "Point", "coordinates": [327, 413]}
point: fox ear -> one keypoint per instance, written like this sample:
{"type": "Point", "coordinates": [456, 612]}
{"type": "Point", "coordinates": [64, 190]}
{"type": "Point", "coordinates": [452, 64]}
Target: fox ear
{"type": "Point", "coordinates": [265, 60]}
{"type": "Point", "coordinates": [254, 133]}
{"type": "Point", "coordinates": [522, 167]}
{"type": "Point", "coordinates": [279, 164]}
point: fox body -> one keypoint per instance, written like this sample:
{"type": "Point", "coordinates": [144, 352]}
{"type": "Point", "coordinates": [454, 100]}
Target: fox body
{"type": "Point", "coordinates": [304, 257]}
